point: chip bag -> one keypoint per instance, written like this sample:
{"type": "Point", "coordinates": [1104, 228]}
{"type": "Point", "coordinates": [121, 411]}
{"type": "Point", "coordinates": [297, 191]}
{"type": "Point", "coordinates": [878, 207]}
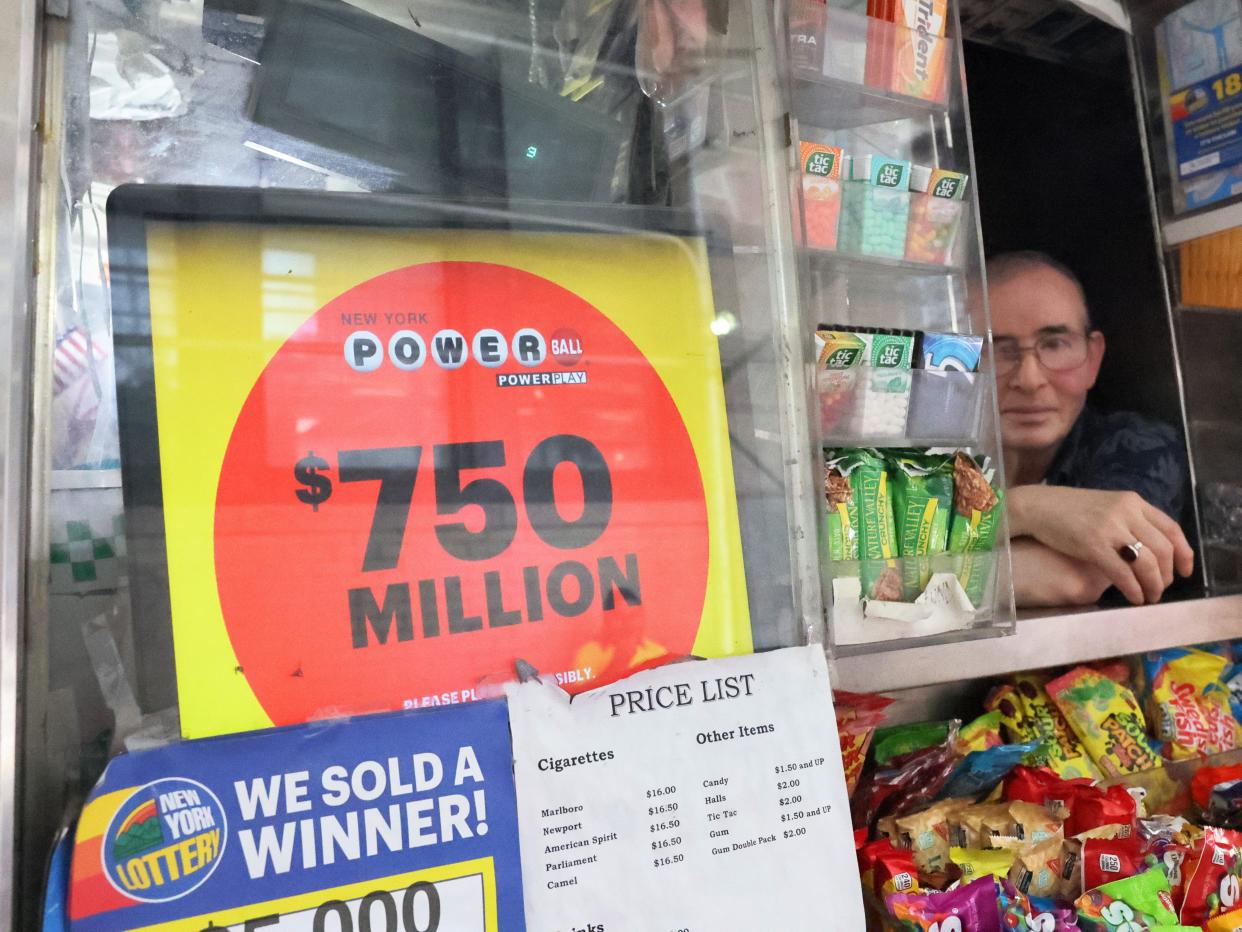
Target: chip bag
{"type": "Point", "coordinates": [1132, 904]}
{"type": "Point", "coordinates": [922, 504]}
{"type": "Point", "coordinates": [1189, 703]}
{"type": "Point", "coordinates": [972, 905]}
{"type": "Point", "coordinates": [980, 862]}
{"type": "Point", "coordinates": [1212, 885]}
{"type": "Point", "coordinates": [1107, 719]}
{"type": "Point", "coordinates": [858, 716]}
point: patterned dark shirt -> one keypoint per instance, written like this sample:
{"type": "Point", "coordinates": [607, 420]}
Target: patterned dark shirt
{"type": "Point", "coordinates": [1123, 451]}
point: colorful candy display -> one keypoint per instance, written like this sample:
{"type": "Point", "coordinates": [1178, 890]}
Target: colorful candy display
{"type": "Point", "coordinates": [1060, 832]}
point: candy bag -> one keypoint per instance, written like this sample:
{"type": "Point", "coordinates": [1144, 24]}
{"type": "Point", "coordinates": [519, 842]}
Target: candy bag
{"type": "Point", "coordinates": [982, 770]}
{"type": "Point", "coordinates": [1227, 922]}
{"type": "Point", "coordinates": [897, 740]}
{"type": "Point", "coordinates": [868, 854]}
{"type": "Point", "coordinates": [1224, 806]}
{"type": "Point", "coordinates": [973, 905]}
{"type": "Point", "coordinates": [895, 872]}
{"type": "Point", "coordinates": [1212, 885]}
{"type": "Point", "coordinates": [1038, 719]}
{"type": "Point", "coordinates": [858, 716]}
{"type": "Point", "coordinates": [976, 517]}
{"type": "Point", "coordinates": [981, 734]}
{"type": "Point", "coordinates": [1020, 914]}
{"type": "Point", "coordinates": [910, 783]}
{"type": "Point", "coordinates": [1091, 806]}
{"type": "Point", "coordinates": [922, 503]}
{"type": "Point", "coordinates": [1107, 859]}
{"type": "Point", "coordinates": [980, 862]}
{"type": "Point", "coordinates": [1207, 778]}
{"type": "Point", "coordinates": [1107, 719]}
{"type": "Point", "coordinates": [1189, 703]}
{"type": "Point", "coordinates": [1175, 860]}
{"type": "Point", "coordinates": [1039, 785]}
{"type": "Point", "coordinates": [1133, 904]}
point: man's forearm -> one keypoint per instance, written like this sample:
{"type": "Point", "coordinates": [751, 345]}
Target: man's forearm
{"type": "Point", "coordinates": [1019, 502]}
{"type": "Point", "coordinates": [1044, 578]}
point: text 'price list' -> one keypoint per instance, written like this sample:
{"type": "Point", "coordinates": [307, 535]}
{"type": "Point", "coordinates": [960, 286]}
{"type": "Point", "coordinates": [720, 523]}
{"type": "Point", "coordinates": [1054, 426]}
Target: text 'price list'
{"type": "Point", "coordinates": [664, 801]}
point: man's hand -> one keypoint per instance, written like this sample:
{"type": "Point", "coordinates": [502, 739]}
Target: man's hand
{"type": "Point", "coordinates": [1043, 578]}
{"type": "Point", "coordinates": [1091, 526]}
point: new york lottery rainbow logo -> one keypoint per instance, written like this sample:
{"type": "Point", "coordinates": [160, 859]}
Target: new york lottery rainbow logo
{"type": "Point", "coordinates": [164, 840]}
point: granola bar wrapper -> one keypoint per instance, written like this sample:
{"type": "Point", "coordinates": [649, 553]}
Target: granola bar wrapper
{"type": "Point", "coordinates": [881, 578]}
{"type": "Point", "coordinates": [922, 506]}
{"type": "Point", "coordinates": [842, 498]}
{"type": "Point", "coordinates": [976, 519]}
{"type": "Point", "coordinates": [1107, 720]}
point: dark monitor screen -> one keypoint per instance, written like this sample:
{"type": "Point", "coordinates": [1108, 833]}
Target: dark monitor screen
{"type": "Point", "coordinates": [340, 77]}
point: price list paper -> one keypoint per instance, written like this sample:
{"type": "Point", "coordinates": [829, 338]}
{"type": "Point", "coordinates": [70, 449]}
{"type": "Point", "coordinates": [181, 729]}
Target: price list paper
{"type": "Point", "coordinates": [699, 796]}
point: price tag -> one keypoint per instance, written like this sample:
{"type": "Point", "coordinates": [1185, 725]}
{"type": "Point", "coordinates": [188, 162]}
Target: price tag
{"type": "Point", "coordinates": [392, 464]}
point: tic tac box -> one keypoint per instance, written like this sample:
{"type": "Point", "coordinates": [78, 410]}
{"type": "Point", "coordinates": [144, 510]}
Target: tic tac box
{"type": "Point", "coordinates": [330, 825]}
{"type": "Point", "coordinates": [821, 192]}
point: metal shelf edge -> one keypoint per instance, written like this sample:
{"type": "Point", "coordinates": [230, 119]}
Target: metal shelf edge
{"type": "Point", "coordinates": [1046, 641]}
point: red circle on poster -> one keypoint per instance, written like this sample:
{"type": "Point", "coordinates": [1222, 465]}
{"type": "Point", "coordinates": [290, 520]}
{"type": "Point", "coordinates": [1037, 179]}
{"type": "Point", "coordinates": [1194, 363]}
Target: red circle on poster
{"type": "Point", "coordinates": [416, 494]}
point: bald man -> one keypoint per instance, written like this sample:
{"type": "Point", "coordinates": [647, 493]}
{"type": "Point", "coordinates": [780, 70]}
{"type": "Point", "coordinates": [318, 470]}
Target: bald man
{"type": "Point", "coordinates": [1094, 498]}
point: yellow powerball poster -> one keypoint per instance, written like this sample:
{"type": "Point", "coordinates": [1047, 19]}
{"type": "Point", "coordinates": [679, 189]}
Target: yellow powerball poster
{"type": "Point", "coordinates": [392, 451]}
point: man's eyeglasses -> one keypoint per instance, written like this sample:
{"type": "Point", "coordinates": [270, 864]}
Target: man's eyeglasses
{"type": "Point", "coordinates": [1056, 352]}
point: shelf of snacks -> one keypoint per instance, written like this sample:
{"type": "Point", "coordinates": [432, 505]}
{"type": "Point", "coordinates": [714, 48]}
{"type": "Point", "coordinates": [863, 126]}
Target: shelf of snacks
{"type": "Point", "coordinates": [898, 388]}
{"type": "Point", "coordinates": [853, 69]}
{"type": "Point", "coordinates": [1101, 796]}
{"type": "Point", "coordinates": [1060, 639]}
{"type": "Point", "coordinates": [914, 549]}
{"type": "Point", "coordinates": [909, 550]}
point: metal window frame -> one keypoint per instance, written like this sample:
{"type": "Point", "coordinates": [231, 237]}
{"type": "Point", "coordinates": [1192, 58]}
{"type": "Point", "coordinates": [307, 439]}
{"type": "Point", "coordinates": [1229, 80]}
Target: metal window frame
{"type": "Point", "coordinates": [19, 87]}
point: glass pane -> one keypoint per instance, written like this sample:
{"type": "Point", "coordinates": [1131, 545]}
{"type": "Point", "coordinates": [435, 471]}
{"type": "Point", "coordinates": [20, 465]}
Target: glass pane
{"type": "Point", "coordinates": [397, 344]}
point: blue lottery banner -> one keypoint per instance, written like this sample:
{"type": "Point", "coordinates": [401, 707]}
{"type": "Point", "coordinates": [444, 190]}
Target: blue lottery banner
{"type": "Point", "coordinates": [403, 822]}
{"type": "Point", "coordinates": [1207, 124]}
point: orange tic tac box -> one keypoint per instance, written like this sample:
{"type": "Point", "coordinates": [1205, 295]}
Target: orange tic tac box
{"type": "Point", "coordinates": [920, 50]}
{"type": "Point", "coordinates": [821, 192]}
